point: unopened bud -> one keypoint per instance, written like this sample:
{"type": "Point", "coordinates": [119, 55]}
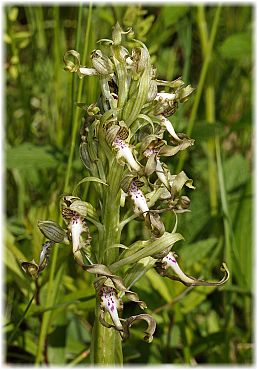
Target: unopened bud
{"type": "Point", "coordinates": [101, 63]}
{"type": "Point", "coordinates": [79, 207]}
{"type": "Point", "coordinates": [184, 202]}
{"type": "Point", "coordinates": [84, 155]}
{"type": "Point", "coordinates": [52, 231]}
{"type": "Point", "coordinates": [117, 34]}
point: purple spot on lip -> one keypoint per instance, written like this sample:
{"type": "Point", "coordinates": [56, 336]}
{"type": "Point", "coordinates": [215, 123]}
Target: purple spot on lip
{"type": "Point", "coordinates": [112, 308]}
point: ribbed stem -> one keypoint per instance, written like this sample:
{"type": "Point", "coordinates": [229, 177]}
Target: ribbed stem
{"type": "Point", "coordinates": [111, 214]}
{"type": "Point", "coordinates": [106, 346]}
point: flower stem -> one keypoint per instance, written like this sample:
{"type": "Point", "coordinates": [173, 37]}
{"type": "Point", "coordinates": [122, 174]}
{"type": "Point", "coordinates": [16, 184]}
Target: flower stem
{"type": "Point", "coordinates": [106, 343]}
{"type": "Point", "coordinates": [106, 347]}
{"type": "Point", "coordinates": [111, 214]}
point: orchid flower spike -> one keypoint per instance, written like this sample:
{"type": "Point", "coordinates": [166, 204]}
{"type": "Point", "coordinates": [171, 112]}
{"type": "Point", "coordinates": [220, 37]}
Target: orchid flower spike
{"type": "Point", "coordinates": [109, 302]}
{"type": "Point", "coordinates": [170, 261]}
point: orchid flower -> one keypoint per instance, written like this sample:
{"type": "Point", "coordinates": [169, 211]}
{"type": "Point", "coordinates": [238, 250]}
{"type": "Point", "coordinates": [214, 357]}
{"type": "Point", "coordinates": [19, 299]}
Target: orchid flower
{"type": "Point", "coordinates": [158, 168]}
{"type": "Point", "coordinates": [169, 261]}
{"type": "Point", "coordinates": [169, 127]}
{"type": "Point", "coordinates": [138, 197]}
{"type": "Point", "coordinates": [84, 71]}
{"type": "Point", "coordinates": [165, 96]}
{"type": "Point", "coordinates": [109, 302]}
{"type": "Point", "coordinates": [166, 103]}
{"type": "Point", "coordinates": [77, 227]}
{"type": "Point", "coordinates": [125, 152]}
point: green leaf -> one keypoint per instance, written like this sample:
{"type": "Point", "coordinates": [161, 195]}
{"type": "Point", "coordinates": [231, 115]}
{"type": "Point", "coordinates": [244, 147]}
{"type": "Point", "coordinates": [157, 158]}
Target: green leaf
{"type": "Point", "coordinates": [196, 252]}
{"type": "Point", "coordinates": [146, 248]}
{"type": "Point", "coordinates": [89, 179]}
{"type": "Point", "coordinates": [243, 234]}
{"type": "Point", "coordinates": [237, 170]}
{"type": "Point", "coordinates": [30, 156]}
{"type": "Point", "coordinates": [159, 285]}
{"type": "Point", "coordinates": [237, 46]}
{"type": "Point", "coordinates": [11, 262]}
{"type": "Point", "coordinates": [194, 298]}
{"type": "Point", "coordinates": [139, 269]}
{"type": "Point", "coordinates": [203, 131]}
{"type": "Point", "coordinates": [57, 340]}
{"type": "Point", "coordinates": [171, 14]}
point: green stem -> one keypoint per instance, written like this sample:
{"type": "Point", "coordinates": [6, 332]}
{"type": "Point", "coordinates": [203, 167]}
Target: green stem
{"type": "Point", "coordinates": [106, 344]}
{"type": "Point", "coordinates": [201, 82]}
{"type": "Point", "coordinates": [49, 302]}
{"type": "Point", "coordinates": [210, 114]}
{"type": "Point", "coordinates": [20, 321]}
{"type": "Point", "coordinates": [111, 213]}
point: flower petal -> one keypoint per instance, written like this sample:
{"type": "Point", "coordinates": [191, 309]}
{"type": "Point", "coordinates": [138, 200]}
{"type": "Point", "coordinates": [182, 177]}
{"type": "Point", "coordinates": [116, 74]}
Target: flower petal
{"type": "Point", "coordinates": [148, 332]}
{"type": "Point", "coordinates": [164, 121]}
{"type": "Point", "coordinates": [77, 227]}
{"type": "Point", "coordinates": [171, 261]}
{"type": "Point", "coordinates": [110, 303]}
{"type": "Point", "coordinates": [138, 198]}
{"type": "Point", "coordinates": [125, 152]}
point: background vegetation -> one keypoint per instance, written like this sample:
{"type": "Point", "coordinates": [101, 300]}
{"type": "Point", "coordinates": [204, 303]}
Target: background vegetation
{"type": "Point", "coordinates": [211, 48]}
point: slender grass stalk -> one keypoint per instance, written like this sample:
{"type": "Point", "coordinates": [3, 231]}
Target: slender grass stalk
{"type": "Point", "coordinates": [185, 36]}
{"type": "Point", "coordinates": [210, 114]}
{"type": "Point", "coordinates": [75, 122]}
{"type": "Point", "coordinates": [21, 319]}
{"type": "Point", "coordinates": [79, 358]}
{"type": "Point", "coordinates": [225, 210]}
{"type": "Point", "coordinates": [201, 82]}
{"type": "Point", "coordinates": [170, 66]}
{"type": "Point", "coordinates": [78, 33]}
{"type": "Point", "coordinates": [57, 57]}
{"type": "Point", "coordinates": [42, 43]}
{"type": "Point", "coordinates": [228, 296]}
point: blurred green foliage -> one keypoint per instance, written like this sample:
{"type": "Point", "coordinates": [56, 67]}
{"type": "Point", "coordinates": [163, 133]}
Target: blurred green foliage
{"type": "Point", "coordinates": [199, 325]}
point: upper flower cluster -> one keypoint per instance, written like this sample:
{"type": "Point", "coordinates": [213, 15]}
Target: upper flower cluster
{"type": "Point", "coordinates": [132, 118]}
